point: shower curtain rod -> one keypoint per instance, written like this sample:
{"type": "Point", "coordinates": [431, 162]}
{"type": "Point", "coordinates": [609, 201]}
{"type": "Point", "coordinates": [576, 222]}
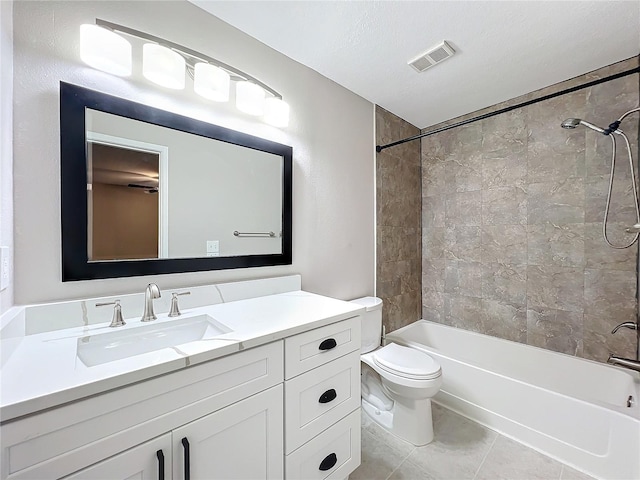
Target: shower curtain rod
{"type": "Point", "coordinates": [379, 148]}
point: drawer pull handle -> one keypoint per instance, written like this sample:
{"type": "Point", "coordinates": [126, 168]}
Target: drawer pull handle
{"type": "Point", "coordinates": [328, 396]}
{"type": "Point", "coordinates": [160, 456]}
{"type": "Point", "coordinates": [187, 459]}
{"type": "Point", "coordinates": [329, 462]}
{"type": "Point", "coordinates": [328, 344]}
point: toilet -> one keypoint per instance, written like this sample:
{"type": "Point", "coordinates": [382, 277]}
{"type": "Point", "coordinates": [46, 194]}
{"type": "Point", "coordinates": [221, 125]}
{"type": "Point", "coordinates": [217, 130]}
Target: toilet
{"type": "Point", "coordinates": [397, 381]}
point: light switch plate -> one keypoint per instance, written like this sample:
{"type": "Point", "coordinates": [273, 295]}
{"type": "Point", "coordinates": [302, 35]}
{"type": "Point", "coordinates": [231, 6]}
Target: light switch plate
{"type": "Point", "coordinates": [5, 278]}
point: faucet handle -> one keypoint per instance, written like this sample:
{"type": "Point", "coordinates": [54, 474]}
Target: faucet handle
{"type": "Point", "coordinates": [117, 320]}
{"type": "Point", "coordinates": [175, 311]}
{"type": "Point", "coordinates": [631, 325]}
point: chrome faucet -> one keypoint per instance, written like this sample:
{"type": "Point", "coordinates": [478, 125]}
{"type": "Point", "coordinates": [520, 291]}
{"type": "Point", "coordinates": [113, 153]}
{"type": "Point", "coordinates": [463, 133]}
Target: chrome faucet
{"type": "Point", "coordinates": [624, 362]}
{"type": "Point", "coordinates": [152, 291]}
{"type": "Point", "coordinates": [627, 362]}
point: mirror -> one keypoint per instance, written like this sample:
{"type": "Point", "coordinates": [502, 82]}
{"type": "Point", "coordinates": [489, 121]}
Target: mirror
{"type": "Point", "coordinates": [145, 191]}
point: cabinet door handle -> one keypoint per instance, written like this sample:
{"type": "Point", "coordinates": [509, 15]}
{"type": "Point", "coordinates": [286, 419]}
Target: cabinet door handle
{"type": "Point", "coordinates": [160, 456]}
{"type": "Point", "coordinates": [187, 460]}
{"type": "Point", "coordinates": [329, 462]}
{"type": "Point", "coordinates": [328, 344]}
{"type": "Point", "coordinates": [328, 396]}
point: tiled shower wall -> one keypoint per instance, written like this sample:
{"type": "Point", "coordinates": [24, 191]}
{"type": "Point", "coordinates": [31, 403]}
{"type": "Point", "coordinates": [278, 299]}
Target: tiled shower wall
{"type": "Point", "coordinates": [398, 222]}
{"type": "Point", "coordinates": [512, 210]}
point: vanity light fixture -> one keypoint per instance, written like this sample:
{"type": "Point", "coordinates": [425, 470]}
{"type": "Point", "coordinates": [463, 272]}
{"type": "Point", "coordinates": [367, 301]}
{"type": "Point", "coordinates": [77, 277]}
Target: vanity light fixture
{"type": "Point", "coordinates": [165, 62]}
{"type": "Point", "coordinates": [276, 112]}
{"type": "Point", "coordinates": [105, 50]}
{"type": "Point", "coordinates": [250, 98]}
{"type": "Point", "coordinates": [211, 82]}
{"type": "Point", "coordinates": [163, 66]}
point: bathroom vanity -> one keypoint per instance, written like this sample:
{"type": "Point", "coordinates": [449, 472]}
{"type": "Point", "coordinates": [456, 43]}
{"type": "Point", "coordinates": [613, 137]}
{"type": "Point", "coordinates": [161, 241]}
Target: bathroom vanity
{"type": "Point", "coordinates": [265, 386]}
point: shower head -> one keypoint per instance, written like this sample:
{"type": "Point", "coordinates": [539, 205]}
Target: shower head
{"type": "Point", "coordinates": [574, 122]}
{"type": "Point", "coordinates": [570, 123]}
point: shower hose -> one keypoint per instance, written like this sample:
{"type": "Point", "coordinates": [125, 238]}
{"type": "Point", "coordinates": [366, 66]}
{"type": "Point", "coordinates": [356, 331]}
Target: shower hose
{"type": "Point", "coordinates": [636, 227]}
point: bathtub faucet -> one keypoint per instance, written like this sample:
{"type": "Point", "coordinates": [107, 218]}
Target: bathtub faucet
{"type": "Point", "coordinates": [631, 326]}
{"type": "Point", "coordinates": [624, 362]}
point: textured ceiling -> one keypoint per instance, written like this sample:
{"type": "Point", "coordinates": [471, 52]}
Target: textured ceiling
{"type": "Point", "coordinates": [504, 48]}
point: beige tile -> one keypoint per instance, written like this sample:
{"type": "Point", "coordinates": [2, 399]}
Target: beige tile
{"type": "Point", "coordinates": [433, 306]}
{"type": "Point", "coordinates": [463, 243]}
{"type": "Point", "coordinates": [504, 243]}
{"type": "Point", "coordinates": [463, 278]}
{"type": "Point", "coordinates": [559, 245]}
{"type": "Point", "coordinates": [559, 202]}
{"type": "Point", "coordinates": [463, 208]}
{"type": "Point", "coordinates": [463, 312]}
{"type": "Point", "coordinates": [610, 293]}
{"type": "Point", "coordinates": [505, 283]}
{"type": "Point", "coordinates": [379, 459]}
{"type": "Point", "coordinates": [555, 330]}
{"type": "Point", "coordinates": [621, 206]}
{"type": "Point", "coordinates": [458, 448]}
{"type": "Point", "coordinates": [505, 169]}
{"type": "Point", "coordinates": [504, 320]}
{"type": "Point", "coordinates": [409, 471]}
{"type": "Point", "coordinates": [433, 212]}
{"type": "Point", "coordinates": [396, 443]}
{"type": "Point", "coordinates": [599, 342]}
{"type": "Point", "coordinates": [599, 255]}
{"type": "Point", "coordinates": [504, 206]}
{"type": "Point", "coordinates": [558, 288]}
{"type": "Point", "coordinates": [569, 473]}
{"type": "Point", "coordinates": [464, 171]}
{"type": "Point", "coordinates": [510, 460]}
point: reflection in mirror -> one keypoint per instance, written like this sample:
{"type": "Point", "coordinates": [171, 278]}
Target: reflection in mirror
{"type": "Point", "coordinates": [146, 191]}
{"type": "Point", "coordinates": [123, 202]}
{"type": "Point", "coordinates": [200, 191]}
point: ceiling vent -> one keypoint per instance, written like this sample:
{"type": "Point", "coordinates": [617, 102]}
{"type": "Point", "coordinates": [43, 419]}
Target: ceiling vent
{"type": "Point", "coordinates": [429, 58]}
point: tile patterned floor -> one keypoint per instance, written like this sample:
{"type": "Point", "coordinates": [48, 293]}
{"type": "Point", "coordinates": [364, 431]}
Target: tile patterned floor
{"type": "Point", "coordinates": [461, 450]}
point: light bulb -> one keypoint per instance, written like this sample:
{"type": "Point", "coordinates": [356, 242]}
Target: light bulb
{"type": "Point", "coordinates": [276, 112]}
{"type": "Point", "coordinates": [105, 50]}
{"type": "Point", "coordinates": [211, 82]}
{"type": "Point", "coordinates": [163, 66]}
{"type": "Point", "coordinates": [250, 98]}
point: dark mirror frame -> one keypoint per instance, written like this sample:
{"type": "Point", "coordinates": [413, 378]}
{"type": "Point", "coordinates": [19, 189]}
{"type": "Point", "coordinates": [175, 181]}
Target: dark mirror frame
{"type": "Point", "coordinates": [74, 100]}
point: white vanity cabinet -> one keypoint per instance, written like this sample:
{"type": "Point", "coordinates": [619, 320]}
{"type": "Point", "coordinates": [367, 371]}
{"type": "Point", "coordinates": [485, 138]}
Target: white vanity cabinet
{"type": "Point", "coordinates": [241, 441]}
{"type": "Point", "coordinates": [322, 402]}
{"type": "Point", "coordinates": [222, 407]}
{"type": "Point", "coordinates": [149, 461]}
{"type": "Point", "coordinates": [276, 398]}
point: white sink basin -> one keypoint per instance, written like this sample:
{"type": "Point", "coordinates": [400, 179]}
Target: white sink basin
{"type": "Point", "coordinates": [108, 347]}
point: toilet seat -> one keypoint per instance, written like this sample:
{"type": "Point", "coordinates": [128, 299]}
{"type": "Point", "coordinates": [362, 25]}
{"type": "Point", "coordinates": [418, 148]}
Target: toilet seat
{"type": "Point", "coordinates": [406, 362]}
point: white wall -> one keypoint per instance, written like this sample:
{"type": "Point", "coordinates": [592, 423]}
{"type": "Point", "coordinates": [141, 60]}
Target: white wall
{"type": "Point", "coordinates": [6, 141]}
{"type": "Point", "coordinates": [331, 132]}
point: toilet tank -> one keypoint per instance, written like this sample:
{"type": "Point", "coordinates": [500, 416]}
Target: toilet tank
{"type": "Point", "coordinates": [371, 323]}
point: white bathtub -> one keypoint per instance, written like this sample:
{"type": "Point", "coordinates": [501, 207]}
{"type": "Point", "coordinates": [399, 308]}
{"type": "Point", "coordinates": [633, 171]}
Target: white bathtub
{"type": "Point", "coordinates": [571, 409]}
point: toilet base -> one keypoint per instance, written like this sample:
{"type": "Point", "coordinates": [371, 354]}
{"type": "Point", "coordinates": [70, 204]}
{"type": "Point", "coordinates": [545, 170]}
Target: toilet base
{"type": "Point", "coordinates": [408, 419]}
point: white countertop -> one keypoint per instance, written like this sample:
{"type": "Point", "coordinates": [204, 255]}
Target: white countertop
{"type": "Point", "coordinates": [44, 371]}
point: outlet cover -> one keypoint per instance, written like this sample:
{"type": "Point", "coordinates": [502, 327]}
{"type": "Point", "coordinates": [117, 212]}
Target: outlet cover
{"type": "Point", "coordinates": [5, 278]}
{"type": "Point", "coordinates": [213, 246]}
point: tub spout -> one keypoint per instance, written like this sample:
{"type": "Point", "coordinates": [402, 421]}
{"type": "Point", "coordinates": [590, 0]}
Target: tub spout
{"type": "Point", "coordinates": [624, 362]}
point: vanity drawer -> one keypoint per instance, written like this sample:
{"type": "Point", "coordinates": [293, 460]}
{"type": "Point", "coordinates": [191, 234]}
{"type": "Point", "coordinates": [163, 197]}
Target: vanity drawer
{"type": "Point", "coordinates": [318, 399]}
{"type": "Point", "coordinates": [335, 453]}
{"type": "Point", "coordinates": [314, 348]}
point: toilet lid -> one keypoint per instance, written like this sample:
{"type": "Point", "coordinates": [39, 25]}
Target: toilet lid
{"type": "Point", "coordinates": [407, 362]}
